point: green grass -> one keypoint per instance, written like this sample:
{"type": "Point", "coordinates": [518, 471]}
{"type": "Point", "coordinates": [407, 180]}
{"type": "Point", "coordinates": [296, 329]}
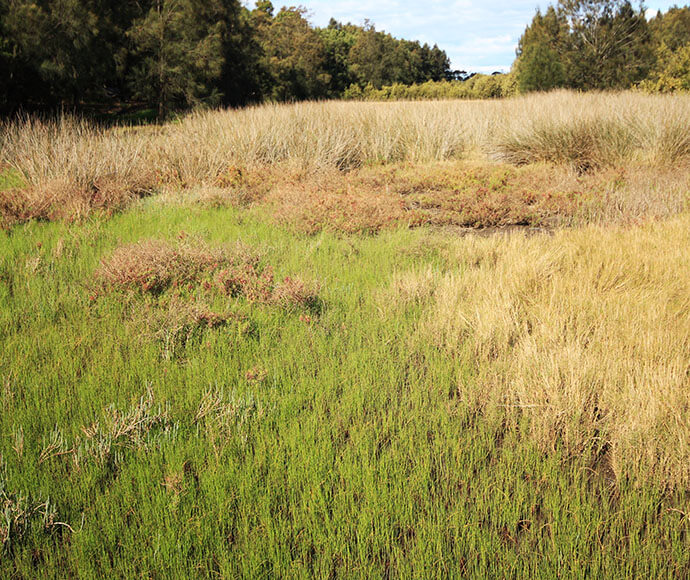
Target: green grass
{"type": "Point", "coordinates": [10, 179]}
{"type": "Point", "coordinates": [354, 457]}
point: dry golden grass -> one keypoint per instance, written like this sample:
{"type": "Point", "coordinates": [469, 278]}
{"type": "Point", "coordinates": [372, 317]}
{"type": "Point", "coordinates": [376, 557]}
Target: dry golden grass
{"type": "Point", "coordinates": [72, 167]}
{"type": "Point", "coordinates": [587, 332]}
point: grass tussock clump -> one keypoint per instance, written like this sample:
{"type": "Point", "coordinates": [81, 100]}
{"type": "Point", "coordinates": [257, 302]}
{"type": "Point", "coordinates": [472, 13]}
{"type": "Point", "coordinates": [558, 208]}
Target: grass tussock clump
{"type": "Point", "coordinates": [584, 144]}
{"type": "Point", "coordinates": [70, 168]}
{"type": "Point", "coordinates": [589, 132]}
{"type": "Point", "coordinates": [587, 333]}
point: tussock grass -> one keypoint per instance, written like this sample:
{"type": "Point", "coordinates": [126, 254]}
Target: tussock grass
{"type": "Point", "coordinates": [589, 131]}
{"type": "Point", "coordinates": [587, 333]}
{"type": "Point", "coordinates": [71, 167]}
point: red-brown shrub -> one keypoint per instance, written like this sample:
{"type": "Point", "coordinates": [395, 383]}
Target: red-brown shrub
{"type": "Point", "coordinates": [62, 199]}
{"type": "Point", "coordinates": [153, 265]}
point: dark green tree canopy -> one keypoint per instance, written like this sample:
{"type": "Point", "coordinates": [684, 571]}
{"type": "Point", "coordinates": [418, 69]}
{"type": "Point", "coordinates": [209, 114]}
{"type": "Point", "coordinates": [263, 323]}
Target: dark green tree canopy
{"type": "Point", "coordinates": [177, 54]}
{"type": "Point", "coordinates": [586, 44]}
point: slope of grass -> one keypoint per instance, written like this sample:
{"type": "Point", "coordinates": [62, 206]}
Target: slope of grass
{"type": "Point", "coordinates": [331, 443]}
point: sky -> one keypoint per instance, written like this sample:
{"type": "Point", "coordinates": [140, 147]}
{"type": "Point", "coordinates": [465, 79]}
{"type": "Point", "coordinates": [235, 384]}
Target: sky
{"type": "Point", "coordinates": [478, 36]}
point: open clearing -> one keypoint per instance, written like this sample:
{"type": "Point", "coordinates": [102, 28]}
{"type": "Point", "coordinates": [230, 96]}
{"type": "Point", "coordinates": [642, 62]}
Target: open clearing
{"type": "Point", "coordinates": [253, 344]}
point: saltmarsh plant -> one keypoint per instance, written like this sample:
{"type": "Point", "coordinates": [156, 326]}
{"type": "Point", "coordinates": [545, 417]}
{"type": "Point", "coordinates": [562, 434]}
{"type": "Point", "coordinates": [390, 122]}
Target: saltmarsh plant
{"type": "Point", "coordinates": [471, 195]}
{"type": "Point", "coordinates": [176, 321]}
{"type": "Point", "coordinates": [153, 266]}
{"type": "Point", "coordinates": [61, 199]}
{"type": "Point", "coordinates": [20, 514]}
{"type": "Point", "coordinates": [171, 288]}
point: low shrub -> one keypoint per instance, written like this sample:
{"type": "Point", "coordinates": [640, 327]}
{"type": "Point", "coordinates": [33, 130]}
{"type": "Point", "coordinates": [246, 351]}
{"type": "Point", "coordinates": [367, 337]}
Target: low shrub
{"type": "Point", "coordinates": [454, 194]}
{"type": "Point", "coordinates": [61, 199]}
{"type": "Point", "coordinates": [154, 266]}
{"type": "Point", "coordinates": [181, 279]}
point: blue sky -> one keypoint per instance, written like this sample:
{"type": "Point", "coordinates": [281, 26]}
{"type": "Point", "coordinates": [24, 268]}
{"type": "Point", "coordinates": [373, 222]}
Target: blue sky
{"type": "Point", "coordinates": [478, 36]}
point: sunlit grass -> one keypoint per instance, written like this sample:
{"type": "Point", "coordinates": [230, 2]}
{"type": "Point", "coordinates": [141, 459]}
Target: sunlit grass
{"type": "Point", "coordinates": [10, 179]}
{"type": "Point", "coordinates": [305, 444]}
{"type": "Point", "coordinates": [262, 343]}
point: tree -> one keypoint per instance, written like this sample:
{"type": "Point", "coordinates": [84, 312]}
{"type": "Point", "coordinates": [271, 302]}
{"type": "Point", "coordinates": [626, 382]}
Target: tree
{"type": "Point", "coordinates": [541, 53]}
{"type": "Point", "coordinates": [20, 78]}
{"type": "Point", "coordinates": [585, 44]}
{"type": "Point", "coordinates": [239, 81]}
{"type": "Point", "coordinates": [178, 45]}
{"type": "Point", "coordinates": [63, 45]}
{"type": "Point", "coordinates": [671, 28]}
{"type": "Point", "coordinates": [671, 39]}
{"type": "Point", "coordinates": [539, 69]}
{"type": "Point", "coordinates": [293, 54]}
{"type": "Point", "coordinates": [436, 63]}
{"type": "Point", "coordinates": [609, 43]}
{"type": "Point", "coordinates": [338, 39]}
{"type": "Point", "coordinates": [671, 72]}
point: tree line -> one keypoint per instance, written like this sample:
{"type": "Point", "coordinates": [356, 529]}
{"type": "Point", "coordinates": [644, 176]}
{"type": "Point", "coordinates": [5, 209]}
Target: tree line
{"type": "Point", "coordinates": [175, 54]}
{"type": "Point", "coordinates": [603, 45]}
{"type": "Point", "coordinates": [171, 54]}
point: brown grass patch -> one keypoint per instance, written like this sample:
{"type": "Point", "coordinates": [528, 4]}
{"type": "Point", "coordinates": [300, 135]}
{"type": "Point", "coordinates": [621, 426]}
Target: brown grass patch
{"type": "Point", "coordinates": [587, 332]}
{"type": "Point", "coordinates": [471, 195]}
{"type": "Point", "coordinates": [61, 199]}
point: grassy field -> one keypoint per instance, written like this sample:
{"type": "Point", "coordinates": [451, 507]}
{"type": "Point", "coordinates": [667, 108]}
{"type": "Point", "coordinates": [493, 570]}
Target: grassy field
{"type": "Point", "coordinates": [349, 340]}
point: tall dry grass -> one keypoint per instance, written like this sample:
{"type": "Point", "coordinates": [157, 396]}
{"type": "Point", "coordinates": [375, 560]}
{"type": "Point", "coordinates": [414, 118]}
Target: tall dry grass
{"type": "Point", "coordinates": [610, 128]}
{"type": "Point", "coordinates": [584, 131]}
{"type": "Point", "coordinates": [588, 131]}
{"type": "Point", "coordinates": [586, 332]}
